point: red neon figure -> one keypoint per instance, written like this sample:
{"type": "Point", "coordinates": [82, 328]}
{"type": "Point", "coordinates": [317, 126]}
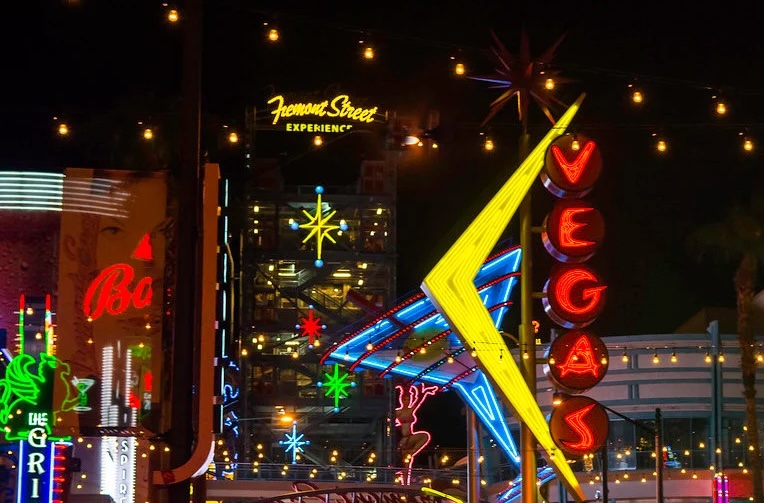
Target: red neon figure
{"type": "Point", "coordinates": [311, 327]}
{"type": "Point", "coordinates": [576, 421]}
{"type": "Point", "coordinates": [565, 285]}
{"type": "Point", "coordinates": [143, 251]}
{"type": "Point", "coordinates": [573, 170]}
{"type": "Point", "coordinates": [568, 226]}
{"type": "Point", "coordinates": [412, 442]}
{"type": "Point", "coordinates": [111, 291]}
{"type": "Point", "coordinates": [580, 359]}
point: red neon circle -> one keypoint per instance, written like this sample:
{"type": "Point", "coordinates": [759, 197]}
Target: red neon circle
{"type": "Point", "coordinates": [568, 172]}
{"type": "Point", "coordinates": [577, 360]}
{"type": "Point", "coordinates": [575, 295]}
{"type": "Point", "coordinates": [579, 425]}
{"type": "Point", "coordinates": [574, 230]}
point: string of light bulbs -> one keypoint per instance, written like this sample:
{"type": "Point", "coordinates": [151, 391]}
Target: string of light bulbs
{"type": "Point", "coordinates": [637, 85]}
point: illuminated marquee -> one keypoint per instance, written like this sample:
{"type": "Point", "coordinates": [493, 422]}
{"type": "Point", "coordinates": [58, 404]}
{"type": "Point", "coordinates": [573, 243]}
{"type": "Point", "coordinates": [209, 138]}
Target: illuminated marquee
{"type": "Point", "coordinates": [450, 287]}
{"type": "Point", "coordinates": [339, 108]}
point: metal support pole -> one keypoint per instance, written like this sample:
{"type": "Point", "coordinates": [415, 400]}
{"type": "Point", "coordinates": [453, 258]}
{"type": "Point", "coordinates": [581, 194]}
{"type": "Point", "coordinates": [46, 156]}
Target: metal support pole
{"type": "Point", "coordinates": [527, 339]}
{"type": "Point", "coordinates": [473, 466]}
{"type": "Point", "coordinates": [658, 457]}
{"type": "Point", "coordinates": [716, 395]}
{"type": "Point", "coordinates": [604, 460]}
{"type": "Point", "coordinates": [187, 333]}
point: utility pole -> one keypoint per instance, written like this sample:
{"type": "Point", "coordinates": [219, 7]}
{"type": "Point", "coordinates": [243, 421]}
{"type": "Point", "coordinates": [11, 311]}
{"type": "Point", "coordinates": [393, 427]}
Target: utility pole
{"type": "Point", "coordinates": [658, 457]}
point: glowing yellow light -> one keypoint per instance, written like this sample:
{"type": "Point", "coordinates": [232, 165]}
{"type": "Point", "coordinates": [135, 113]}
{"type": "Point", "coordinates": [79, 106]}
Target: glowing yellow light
{"type": "Point", "coordinates": [556, 399]}
{"type": "Point", "coordinates": [148, 134]}
{"type": "Point", "coordinates": [63, 129]}
{"type": "Point", "coordinates": [318, 141]}
{"type": "Point", "coordinates": [450, 359]}
{"type": "Point", "coordinates": [721, 108]}
{"type": "Point", "coordinates": [273, 35]}
{"type": "Point", "coordinates": [285, 418]}
{"type": "Point", "coordinates": [721, 357]}
{"type": "Point", "coordinates": [708, 357]}
{"type": "Point", "coordinates": [702, 445]}
{"type": "Point", "coordinates": [656, 360]}
{"type": "Point", "coordinates": [625, 358]}
{"type": "Point", "coordinates": [574, 145]}
{"type": "Point", "coordinates": [488, 145]}
{"type": "Point", "coordinates": [551, 361]}
{"type": "Point", "coordinates": [549, 84]}
{"type": "Point", "coordinates": [636, 96]}
{"type": "Point", "coordinates": [398, 358]}
{"type": "Point", "coordinates": [368, 52]}
{"type": "Point", "coordinates": [661, 146]}
{"type": "Point", "coordinates": [295, 355]}
{"type": "Point", "coordinates": [244, 352]}
{"type": "Point", "coordinates": [748, 145]}
{"type": "Point", "coordinates": [673, 357]}
{"type": "Point", "coordinates": [369, 346]}
{"type": "Point", "coordinates": [459, 69]}
{"type": "Point", "coordinates": [450, 287]}
{"type": "Point", "coordinates": [173, 16]}
{"type": "Point", "coordinates": [233, 137]}
{"type": "Point", "coordinates": [759, 357]}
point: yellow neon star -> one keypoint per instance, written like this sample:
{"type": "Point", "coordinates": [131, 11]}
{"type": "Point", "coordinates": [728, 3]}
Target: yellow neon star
{"type": "Point", "coordinates": [450, 286]}
{"type": "Point", "coordinates": [319, 227]}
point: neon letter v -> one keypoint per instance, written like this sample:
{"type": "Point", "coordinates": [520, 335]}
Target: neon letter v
{"type": "Point", "coordinates": [573, 170]}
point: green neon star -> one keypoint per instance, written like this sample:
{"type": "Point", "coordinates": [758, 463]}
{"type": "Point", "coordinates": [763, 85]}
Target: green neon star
{"type": "Point", "coordinates": [336, 385]}
{"type": "Point", "coordinates": [319, 226]}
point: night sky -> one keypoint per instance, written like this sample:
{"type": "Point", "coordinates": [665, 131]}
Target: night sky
{"type": "Point", "coordinates": [93, 60]}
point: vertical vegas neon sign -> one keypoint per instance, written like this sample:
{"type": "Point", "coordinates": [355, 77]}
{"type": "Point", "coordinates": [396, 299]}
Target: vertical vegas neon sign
{"type": "Point", "coordinates": [575, 293]}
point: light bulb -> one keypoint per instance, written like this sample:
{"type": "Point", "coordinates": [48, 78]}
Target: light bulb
{"type": "Point", "coordinates": [450, 359]}
{"type": "Point", "coordinates": [459, 69]}
{"type": "Point", "coordinates": [575, 146]}
{"type": "Point", "coordinates": [295, 355]}
{"type": "Point", "coordinates": [747, 145]}
{"type": "Point", "coordinates": [63, 129]}
{"type": "Point", "coordinates": [488, 145]}
{"type": "Point", "coordinates": [625, 358]}
{"type": "Point", "coordinates": [474, 353]}
{"type": "Point", "coordinates": [525, 355]}
{"type": "Point", "coordinates": [661, 146]}
{"type": "Point", "coordinates": [551, 361]}
{"type": "Point", "coordinates": [549, 84]}
{"type": "Point", "coordinates": [398, 358]}
{"type": "Point", "coordinates": [368, 52]}
{"type": "Point", "coordinates": [173, 16]}
{"type": "Point", "coordinates": [273, 35]}
{"type": "Point", "coordinates": [708, 357]}
{"type": "Point", "coordinates": [656, 360]}
{"type": "Point", "coordinates": [759, 357]}
{"type": "Point", "coordinates": [318, 141]}
{"type": "Point", "coordinates": [721, 108]}
{"type": "Point", "coordinates": [148, 134]}
{"type": "Point", "coordinates": [721, 357]}
{"type": "Point", "coordinates": [636, 96]}
{"type": "Point", "coordinates": [233, 137]}
{"type": "Point", "coordinates": [673, 357]}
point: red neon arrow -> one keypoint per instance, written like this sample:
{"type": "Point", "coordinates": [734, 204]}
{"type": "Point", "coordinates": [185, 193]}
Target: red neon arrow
{"type": "Point", "coordinates": [573, 170]}
{"type": "Point", "coordinates": [576, 421]}
{"type": "Point", "coordinates": [143, 249]}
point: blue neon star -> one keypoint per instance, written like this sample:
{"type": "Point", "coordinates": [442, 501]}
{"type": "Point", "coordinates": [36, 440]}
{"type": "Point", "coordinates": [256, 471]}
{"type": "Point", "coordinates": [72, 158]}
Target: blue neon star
{"type": "Point", "coordinates": [294, 442]}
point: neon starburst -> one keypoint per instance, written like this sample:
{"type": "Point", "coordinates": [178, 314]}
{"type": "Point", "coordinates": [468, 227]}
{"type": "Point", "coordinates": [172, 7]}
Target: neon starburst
{"type": "Point", "coordinates": [311, 327]}
{"type": "Point", "coordinates": [336, 385]}
{"type": "Point", "coordinates": [294, 442]}
{"type": "Point", "coordinates": [319, 226]}
{"type": "Point", "coordinates": [527, 78]}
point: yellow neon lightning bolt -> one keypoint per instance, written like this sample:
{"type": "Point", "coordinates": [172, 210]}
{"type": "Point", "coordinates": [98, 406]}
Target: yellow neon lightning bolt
{"type": "Point", "coordinates": [450, 286]}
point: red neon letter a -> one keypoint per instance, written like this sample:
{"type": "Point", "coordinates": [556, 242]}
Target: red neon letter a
{"type": "Point", "coordinates": [573, 170]}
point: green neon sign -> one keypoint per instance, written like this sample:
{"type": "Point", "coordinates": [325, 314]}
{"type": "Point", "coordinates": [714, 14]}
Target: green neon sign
{"type": "Point", "coordinates": [26, 392]}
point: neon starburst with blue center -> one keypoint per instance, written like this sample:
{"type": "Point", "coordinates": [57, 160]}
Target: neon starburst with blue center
{"type": "Point", "coordinates": [319, 226]}
{"type": "Point", "coordinates": [336, 386]}
{"type": "Point", "coordinates": [294, 442]}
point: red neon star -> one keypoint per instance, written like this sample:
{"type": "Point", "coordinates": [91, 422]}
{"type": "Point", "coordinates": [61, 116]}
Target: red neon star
{"type": "Point", "coordinates": [311, 327]}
